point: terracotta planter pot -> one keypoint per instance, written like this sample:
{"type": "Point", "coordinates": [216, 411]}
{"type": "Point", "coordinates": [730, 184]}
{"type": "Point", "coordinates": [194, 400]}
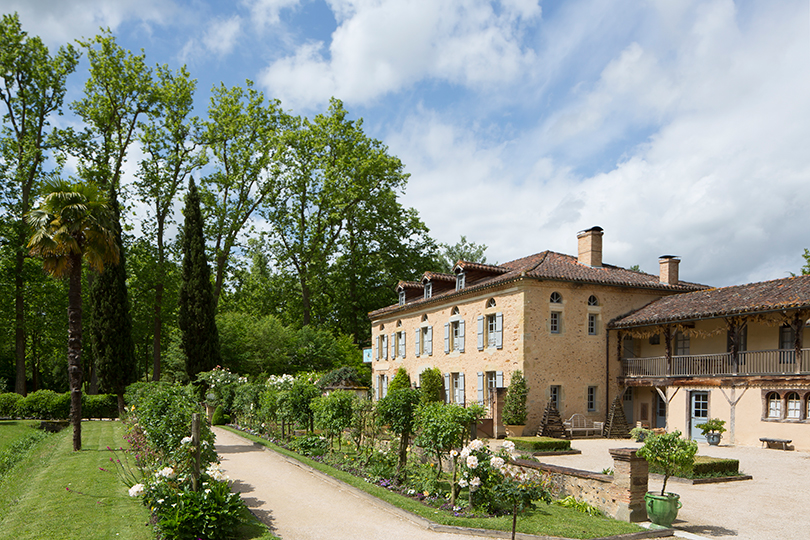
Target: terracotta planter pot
{"type": "Point", "coordinates": [514, 430]}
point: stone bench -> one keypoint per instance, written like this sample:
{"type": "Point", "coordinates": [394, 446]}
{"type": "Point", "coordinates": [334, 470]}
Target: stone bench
{"type": "Point", "coordinates": [770, 440]}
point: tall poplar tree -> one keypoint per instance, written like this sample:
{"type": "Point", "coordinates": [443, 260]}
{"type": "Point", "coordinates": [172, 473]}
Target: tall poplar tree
{"type": "Point", "coordinates": [111, 325]}
{"type": "Point", "coordinates": [199, 336]}
{"type": "Point", "coordinates": [32, 89]}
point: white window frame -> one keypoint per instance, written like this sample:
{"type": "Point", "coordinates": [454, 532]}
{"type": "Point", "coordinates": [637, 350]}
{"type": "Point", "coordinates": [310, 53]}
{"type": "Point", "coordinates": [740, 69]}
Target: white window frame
{"type": "Point", "coordinates": [555, 395]}
{"type": "Point", "coordinates": [794, 406]}
{"type": "Point", "coordinates": [460, 281]}
{"type": "Point", "coordinates": [555, 322]}
{"type": "Point", "coordinates": [774, 406]}
{"type": "Point", "coordinates": [590, 402]}
{"type": "Point", "coordinates": [401, 298]}
{"type": "Point", "coordinates": [682, 344]}
{"type": "Point", "coordinates": [428, 290]}
{"type": "Point", "coordinates": [592, 323]}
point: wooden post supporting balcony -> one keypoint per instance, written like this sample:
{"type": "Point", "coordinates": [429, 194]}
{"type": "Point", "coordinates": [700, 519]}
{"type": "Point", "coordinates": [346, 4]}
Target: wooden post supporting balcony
{"type": "Point", "coordinates": [668, 346]}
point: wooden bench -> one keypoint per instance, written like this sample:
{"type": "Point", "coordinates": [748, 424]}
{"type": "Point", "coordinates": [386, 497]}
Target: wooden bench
{"type": "Point", "coordinates": [770, 440]}
{"type": "Point", "coordinates": [579, 424]}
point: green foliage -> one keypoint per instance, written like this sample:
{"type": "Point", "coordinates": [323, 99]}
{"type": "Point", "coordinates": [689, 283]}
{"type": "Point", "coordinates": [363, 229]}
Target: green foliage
{"type": "Point", "coordinates": [246, 404]}
{"type": "Point", "coordinates": [252, 345]}
{"type": "Point", "coordinates": [432, 386]}
{"type": "Point", "coordinates": [8, 404]}
{"type": "Point", "coordinates": [295, 404]}
{"type": "Point", "coordinates": [342, 376]}
{"type": "Point", "coordinates": [582, 506]}
{"type": "Point", "coordinates": [398, 411]}
{"type": "Point", "coordinates": [712, 425]}
{"type": "Point", "coordinates": [462, 251]}
{"type": "Point", "coordinates": [200, 338]}
{"type": "Point", "coordinates": [100, 406]}
{"type": "Point", "coordinates": [222, 385]}
{"type": "Point", "coordinates": [164, 415]}
{"type": "Point", "coordinates": [334, 413]}
{"type": "Point", "coordinates": [400, 381]}
{"type": "Point", "coordinates": [442, 427]}
{"type": "Point", "coordinates": [219, 418]}
{"type": "Point", "coordinates": [806, 267]}
{"type": "Point", "coordinates": [540, 444]}
{"type": "Point", "coordinates": [514, 408]}
{"type": "Point", "coordinates": [45, 405]}
{"type": "Point", "coordinates": [708, 467]}
{"type": "Point", "coordinates": [18, 450]}
{"type": "Point", "coordinates": [310, 445]}
{"type": "Point", "coordinates": [669, 453]}
{"type": "Point", "coordinates": [213, 512]}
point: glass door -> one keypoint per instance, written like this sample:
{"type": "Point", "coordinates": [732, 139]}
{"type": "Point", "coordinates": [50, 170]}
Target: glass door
{"type": "Point", "coordinates": [699, 415]}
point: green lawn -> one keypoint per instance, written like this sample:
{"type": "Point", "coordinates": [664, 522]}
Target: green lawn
{"type": "Point", "coordinates": [12, 430]}
{"type": "Point", "coordinates": [548, 520]}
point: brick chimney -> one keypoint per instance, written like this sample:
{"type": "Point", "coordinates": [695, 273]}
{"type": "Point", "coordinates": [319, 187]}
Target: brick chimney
{"type": "Point", "coordinates": [590, 247]}
{"type": "Point", "coordinates": [668, 269]}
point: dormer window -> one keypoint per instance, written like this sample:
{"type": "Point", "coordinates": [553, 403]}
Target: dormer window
{"type": "Point", "coordinates": [460, 281]}
{"type": "Point", "coordinates": [428, 290]}
{"type": "Point", "coordinates": [401, 298]}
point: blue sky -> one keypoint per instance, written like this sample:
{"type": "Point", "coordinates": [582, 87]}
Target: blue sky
{"type": "Point", "coordinates": [680, 127]}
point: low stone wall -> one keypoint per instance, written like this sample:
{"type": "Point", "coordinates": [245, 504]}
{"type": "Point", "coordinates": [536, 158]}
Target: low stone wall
{"type": "Point", "coordinates": [620, 495]}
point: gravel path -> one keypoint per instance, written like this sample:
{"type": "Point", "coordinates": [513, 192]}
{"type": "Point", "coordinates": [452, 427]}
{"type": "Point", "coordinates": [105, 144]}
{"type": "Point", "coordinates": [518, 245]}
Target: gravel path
{"type": "Point", "coordinates": [301, 504]}
{"type": "Point", "coordinates": [771, 506]}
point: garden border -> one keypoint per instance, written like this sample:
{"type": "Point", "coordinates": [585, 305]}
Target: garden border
{"type": "Point", "coordinates": [426, 523]}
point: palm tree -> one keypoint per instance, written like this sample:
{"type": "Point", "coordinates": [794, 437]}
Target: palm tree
{"type": "Point", "coordinates": [73, 222]}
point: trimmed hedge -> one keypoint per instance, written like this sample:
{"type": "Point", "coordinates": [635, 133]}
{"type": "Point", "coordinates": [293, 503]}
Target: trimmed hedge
{"type": "Point", "coordinates": [708, 467]}
{"type": "Point", "coordinates": [540, 444]}
{"type": "Point", "coordinates": [48, 405]}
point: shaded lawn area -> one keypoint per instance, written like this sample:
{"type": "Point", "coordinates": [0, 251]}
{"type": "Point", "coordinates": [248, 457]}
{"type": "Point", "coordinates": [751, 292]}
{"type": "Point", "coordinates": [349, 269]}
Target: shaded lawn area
{"type": "Point", "coordinates": [546, 520]}
{"type": "Point", "coordinates": [56, 493]}
{"type": "Point", "coordinates": [12, 430]}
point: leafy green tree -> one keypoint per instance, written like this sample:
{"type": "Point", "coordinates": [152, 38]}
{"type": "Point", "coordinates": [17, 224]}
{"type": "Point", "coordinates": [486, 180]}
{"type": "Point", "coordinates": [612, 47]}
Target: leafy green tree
{"type": "Point", "coordinates": [432, 386]}
{"type": "Point", "coordinates": [806, 267]}
{"type": "Point", "coordinates": [514, 407]}
{"type": "Point", "coordinates": [314, 349]}
{"type": "Point", "coordinates": [295, 404]}
{"type": "Point", "coordinates": [333, 414]}
{"type": "Point", "coordinates": [398, 410]}
{"type": "Point", "coordinates": [669, 453]}
{"type": "Point", "coordinates": [401, 380]}
{"type": "Point", "coordinates": [170, 156]}
{"type": "Point", "coordinates": [240, 133]}
{"type": "Point", "coordinates": [72, 223]}
{"type": "Point", "coordinates": [31, 92]}
{"type": "Point", "coordinates": [251, 345]}
{"type": "Point", "coordinates": [462, 251]}
{"type": "Point", "coordinates": [443, 427]}
{"type": "Point", "coordinates": [111, 325]}
{"type": "Point", "coordinates": [200, 339]}
{"type": "Point", "coordinates": [327, 169]}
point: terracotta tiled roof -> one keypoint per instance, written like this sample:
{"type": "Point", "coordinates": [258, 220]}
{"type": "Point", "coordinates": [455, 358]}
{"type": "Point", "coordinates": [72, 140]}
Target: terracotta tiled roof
{"type": "Point", "coordinates": [549, 265]}
{"type": "Point", "coordinates": [490, 268]}
{"type": "Point", "coordinates": [438, 276]}
{"type": "Point", "coordinates": [762, 297]}
{"type": "Point", "coordinates": [410, 285]}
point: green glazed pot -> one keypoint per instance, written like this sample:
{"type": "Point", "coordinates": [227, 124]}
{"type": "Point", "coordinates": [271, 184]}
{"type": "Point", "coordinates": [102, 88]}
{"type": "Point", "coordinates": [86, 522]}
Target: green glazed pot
{"type": "Point", "coordinates": [662, 509]}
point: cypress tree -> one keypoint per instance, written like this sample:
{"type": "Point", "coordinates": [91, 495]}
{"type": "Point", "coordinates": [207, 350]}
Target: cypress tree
{"type": "Point", "coordinates": [111, 321]}
{"type": "Point", "coordinates": [199, 336]}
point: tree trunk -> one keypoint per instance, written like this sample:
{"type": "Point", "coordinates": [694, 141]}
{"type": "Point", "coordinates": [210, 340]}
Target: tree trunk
{"type": "Point", "coordinates": [19, 316]}
{"type": "Point", "coordinates": [403, 455]}
{"type": "Point", "coordinates": [121, 406]}
{"type": "Point", "coordinates": [75, 349]}
{"type": "Point", "coordinates": [158, 330]}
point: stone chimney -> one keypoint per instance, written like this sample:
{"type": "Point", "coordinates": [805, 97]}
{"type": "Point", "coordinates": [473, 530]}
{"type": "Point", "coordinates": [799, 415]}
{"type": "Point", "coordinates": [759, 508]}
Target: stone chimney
{"type": "Point", "coordinates": [590, 247]}
{"type": "Point", "coordinates": [668, 269]}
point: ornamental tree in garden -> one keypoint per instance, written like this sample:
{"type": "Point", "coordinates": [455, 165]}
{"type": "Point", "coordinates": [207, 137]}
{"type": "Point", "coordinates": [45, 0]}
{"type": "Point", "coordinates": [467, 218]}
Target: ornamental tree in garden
{"type": "Point", "coordinates": [443, 427]}
{"type": "Point", "coordinates": [670, 453]}
{"type": "Point", "coordinates": [72, 223]}
{"type": "Point", "coordinates": [398, 410]}
{"type": "Point", "coordinates": [200, 339]}
{"type": "Point", "coordinates": [514, 408]}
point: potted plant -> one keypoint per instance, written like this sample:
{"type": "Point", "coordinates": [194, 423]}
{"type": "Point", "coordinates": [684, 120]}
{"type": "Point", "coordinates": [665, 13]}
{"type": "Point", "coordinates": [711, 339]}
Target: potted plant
{"type": "Point", "coordinates": [514, 408]}
{"type": "Point", "coordinates": [713, 430]}
{"type": "Point", "coordinates": [639, 433]}
{"type": "Point", "coordinates": [671, 454]}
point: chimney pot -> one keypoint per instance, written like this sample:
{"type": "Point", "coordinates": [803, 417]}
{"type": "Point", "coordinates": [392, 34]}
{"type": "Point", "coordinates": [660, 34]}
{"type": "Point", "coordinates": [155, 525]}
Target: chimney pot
{"type": "Point", "coordinates": [590, 247]}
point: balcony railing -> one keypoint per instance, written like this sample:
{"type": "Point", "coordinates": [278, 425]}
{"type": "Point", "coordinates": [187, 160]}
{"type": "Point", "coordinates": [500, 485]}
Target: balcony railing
{"type": "Point", "coordinates": [772, 362]}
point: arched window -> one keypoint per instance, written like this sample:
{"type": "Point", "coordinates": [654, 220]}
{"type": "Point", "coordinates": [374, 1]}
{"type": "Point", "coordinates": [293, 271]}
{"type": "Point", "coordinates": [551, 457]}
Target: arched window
{"type": "Point", "coordinates": [454, 311]}
{"type": "Point", "coordinates": [794, 406]}
{"type": "Point", "coordinates": [593, 301]}
{"type": "Point", "coordinates": [556, 298]}
{"type": "Point", "coordinates": [774, 405]}
{"type": "Point", "coordinates": [399, 324]}
{"type": "Point", "coordinates": [424, 318]}
{"type": "Point", "coordinates": [382, 327]}
{"type": "Point", "coordinates": [491, 303]}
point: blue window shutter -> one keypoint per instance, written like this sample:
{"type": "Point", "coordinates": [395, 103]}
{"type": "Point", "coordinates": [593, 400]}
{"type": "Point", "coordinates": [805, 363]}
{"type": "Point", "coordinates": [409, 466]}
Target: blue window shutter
{"type": "Point", "coordinates": [429, 349]}
{"type": "Point", "coordinates": [385, 347]}
{"type": "Point", "coordinates": [499, 330]}
{"type": "Point", "coordinates": [402, 345]}
{"type": "Point", "coordinates": [375, 351]}
{"type": "Point", "coordinates": [481, 388]}
{"type": "Point", "coordinates": [447, 388]}
{"type": "Point", "coordinates": [446, 338]}
{"type": "Point", "coordinates": [461, 336]}
{"type": "Point", "coordinates": [416, 342]}
{"type": "Point", "coordinates": [393, 346]}
{"type": "Point", "coordinates": [480, 323]}
{"type": "Point", "coordinates": [499, 379]}
{"type": "Point", "coordinates": [461, 399]}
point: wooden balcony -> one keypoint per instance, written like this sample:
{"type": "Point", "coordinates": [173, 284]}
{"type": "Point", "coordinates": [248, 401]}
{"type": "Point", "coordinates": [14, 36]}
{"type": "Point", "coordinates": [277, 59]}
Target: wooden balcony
{"type": "Point", "coordinates": [749, 363]}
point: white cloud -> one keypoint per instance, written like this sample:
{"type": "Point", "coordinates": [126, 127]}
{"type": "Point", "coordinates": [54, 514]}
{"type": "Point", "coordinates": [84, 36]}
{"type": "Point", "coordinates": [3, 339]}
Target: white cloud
{"type": "Point", "coordinates": [222, 35]}
{"type": "Point", "coordinates": [383, 46]}
{"type": "Point", "coordinates": [267, 12]}
{"type": "Point", "coordinates": [58, 22]}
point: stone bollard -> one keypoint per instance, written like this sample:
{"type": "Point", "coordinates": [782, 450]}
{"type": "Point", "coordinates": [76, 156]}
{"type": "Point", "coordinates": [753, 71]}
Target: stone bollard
{"type": "Point", "coordinates": [630, 476]}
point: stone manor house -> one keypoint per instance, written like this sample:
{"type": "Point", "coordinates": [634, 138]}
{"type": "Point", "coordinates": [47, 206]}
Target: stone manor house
{"type": "Point", "coordinates": [584, 332]}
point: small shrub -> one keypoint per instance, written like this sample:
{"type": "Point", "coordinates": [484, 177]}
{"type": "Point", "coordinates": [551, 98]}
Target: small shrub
{"type": "Point", "coordinates": [540, 444]}
{"type": "Point", "coordinates": [514, 407]}
{"type": "Point", "coordinates": [8, 404]}
{"type": "Point", "coordinates": [708, 467]}
{"type": "Point", "coordinates": [45, 405]}
{"type": "Point", "coordinates": [310, 445]}
{"type": "Point", "coordinates": [432, 386]}
{"type": "Point", "coordinates": [582, 506]}
{"type": "Point", "coordinates": [220, 418]}
{"type": "Point", "coordinates": [401, 380]}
